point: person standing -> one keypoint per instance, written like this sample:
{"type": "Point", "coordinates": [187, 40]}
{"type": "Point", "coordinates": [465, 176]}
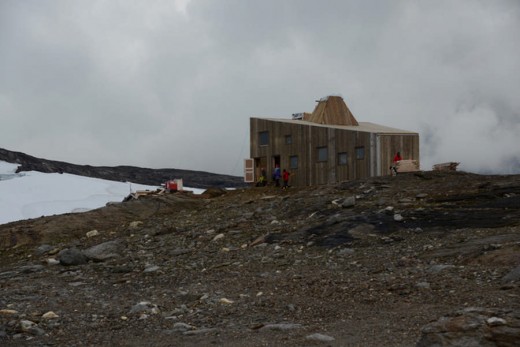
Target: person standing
{"type": "Point", "coordinates": [285, 177]}
{"type": "Point", "coordinates": [262, 180]}
{"type": "Point", "coordinates": [397, 159]}
{"type": "Point", "coordinates": [264, 177]}
{"type": "Point", "coordinates": [277, 175]}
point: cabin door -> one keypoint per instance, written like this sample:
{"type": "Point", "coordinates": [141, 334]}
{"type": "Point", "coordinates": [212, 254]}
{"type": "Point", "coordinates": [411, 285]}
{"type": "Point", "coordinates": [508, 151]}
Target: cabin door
{"type": "Point", "coordinates": [276, 161]}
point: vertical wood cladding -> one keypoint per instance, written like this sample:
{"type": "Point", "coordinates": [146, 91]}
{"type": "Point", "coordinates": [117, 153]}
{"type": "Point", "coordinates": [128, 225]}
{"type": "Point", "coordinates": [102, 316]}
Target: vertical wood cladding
{"type": "Point", "coordinates": [305, 140]}
{"type": "Point", "coordinates": [407, 144]}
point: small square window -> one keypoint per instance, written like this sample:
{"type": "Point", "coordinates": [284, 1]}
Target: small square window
{"type": "Point", "coordinates": [293, 161]}
{"type": "Point", "coordinates": [263, 138]}
{"type": "Point", "coordinates": [360, 152]}
{"type": "Point", "coordinates": [288, 139]}
{"type": "Point", "coordinates": [342, 158]}
{"type": "Point", "coordinates": [323, 153]}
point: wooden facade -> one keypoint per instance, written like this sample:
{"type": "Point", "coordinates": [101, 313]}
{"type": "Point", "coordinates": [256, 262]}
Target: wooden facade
{"type": "Point", "coordinates": [318, 154]}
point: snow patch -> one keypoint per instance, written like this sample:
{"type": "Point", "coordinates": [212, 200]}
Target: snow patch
{"type": "Point", "coordinates": [34, 194]}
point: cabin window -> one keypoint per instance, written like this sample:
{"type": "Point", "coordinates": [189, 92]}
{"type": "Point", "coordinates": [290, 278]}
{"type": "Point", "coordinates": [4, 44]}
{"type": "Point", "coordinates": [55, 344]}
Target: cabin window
{"type": "Point", "coordinates": [360, 152]}
{"type": "Point", "coordinates": [323, 153]}
{"type": "Point", "coordinates": [342, 158]}
{"type": "Point", "coordinates": [293, 161]}
{"type": "Point", "coordinates": [288, 139]}
{"type": "Point", "coordinates": [263, 138]}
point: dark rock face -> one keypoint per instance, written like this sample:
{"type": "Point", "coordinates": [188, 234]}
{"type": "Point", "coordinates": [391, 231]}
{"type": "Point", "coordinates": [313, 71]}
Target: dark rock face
{"type": "Point", "coordinates": [195, 179]}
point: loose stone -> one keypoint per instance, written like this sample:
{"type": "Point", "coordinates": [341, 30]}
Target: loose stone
{"type": "Point", "coordinates": [52, 261]}
{"type": "Point", "coordinates": [218, 237]}
{"type": "Point", "coordinates": [319, 337]}
{"type": "Point", "coordinates": [50, 315]}
{"type": "Point", "coordinates": [281, 326]}
{"type": "Point", "coordinates": [144, 307]}
{"type": "Point", "coordinates": [398, 217]}
{"type": "Point", "coordinates": [92, 233]}
{"type": "Point", "coordinates": [31, 327]}
{"type": "Point", "coordinates": [182, 327]}
{"type": "Point", "coordinates": [135, 224]}
{"type": "Point", "coordinates": [152, 268]}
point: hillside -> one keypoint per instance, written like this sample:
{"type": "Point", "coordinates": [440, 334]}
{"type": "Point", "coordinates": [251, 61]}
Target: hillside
{"type": "Point", "coordinates": [195, 179]}
{"type": "Point", "coordinates": [426, 259]}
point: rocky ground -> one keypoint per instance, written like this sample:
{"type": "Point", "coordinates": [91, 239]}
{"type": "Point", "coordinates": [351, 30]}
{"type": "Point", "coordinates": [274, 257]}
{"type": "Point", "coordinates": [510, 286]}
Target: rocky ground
{"type": "Point", "coordinates": [427, 259]}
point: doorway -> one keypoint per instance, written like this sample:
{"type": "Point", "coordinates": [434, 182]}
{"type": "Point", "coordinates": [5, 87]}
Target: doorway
{"type": "Point", "coordinates": [276, 161]}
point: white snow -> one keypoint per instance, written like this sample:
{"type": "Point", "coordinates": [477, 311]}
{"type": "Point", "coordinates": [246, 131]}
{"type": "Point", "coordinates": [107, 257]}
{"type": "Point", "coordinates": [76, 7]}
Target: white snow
{"type": "Point", "coordinates": [34, 194]}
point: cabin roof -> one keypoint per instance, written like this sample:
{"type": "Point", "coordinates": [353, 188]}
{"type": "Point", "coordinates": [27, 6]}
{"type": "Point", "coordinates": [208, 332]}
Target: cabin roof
{"type": "Point", "coordinates": [363, 126]}
{"type": "Point", "coordinates": [332, 110]}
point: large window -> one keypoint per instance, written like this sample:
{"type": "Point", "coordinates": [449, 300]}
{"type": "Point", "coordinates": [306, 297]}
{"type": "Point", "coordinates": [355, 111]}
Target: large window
{"type": "Point", "coordinates": [360, 152]}
{"type": "Point", "coordinates": [323, 153]}
{"type": "Point", "coordinates": [293, 161]}
{"type": "Point", "coordinates": [263, 138]}
{"type": "Point", "coordinates": [342, 158]}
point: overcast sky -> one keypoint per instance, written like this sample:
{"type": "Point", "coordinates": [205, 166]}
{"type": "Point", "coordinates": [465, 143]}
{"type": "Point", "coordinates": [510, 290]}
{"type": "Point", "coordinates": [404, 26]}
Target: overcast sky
{"type": "Point", "coordinates": [172, 84]}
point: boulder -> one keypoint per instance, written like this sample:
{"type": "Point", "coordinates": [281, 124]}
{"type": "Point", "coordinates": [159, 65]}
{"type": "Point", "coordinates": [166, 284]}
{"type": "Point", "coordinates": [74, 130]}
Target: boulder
{"type": "Point", "coordinates": [512, 276]}
{"type": "Point", "coordinates": [72, 256]}
{"type": "Point", "coordinates": [214, 192]}
{"type": "Point", "coordinates": [473, 327]}
{"type": "Point", "coordinates": [104, 251]}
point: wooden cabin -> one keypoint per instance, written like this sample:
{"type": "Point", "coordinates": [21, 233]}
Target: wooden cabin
{"type": "Point", "coordinates": [326, 146]}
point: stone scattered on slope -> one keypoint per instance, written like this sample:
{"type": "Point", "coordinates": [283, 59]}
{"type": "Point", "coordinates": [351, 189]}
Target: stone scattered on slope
{"type": "Point", "coordinates": [512, 276]}
{"type": "Point", "coordinates": [290, 268]}
{"type": "Point", "coordinates": [72, 256]}
{"type": "Point", "coordinates": [319, 337]}
{"type": "Point", "coordinates": [473, 327]}
{"type": "Point", "coordinates": [104, 251]}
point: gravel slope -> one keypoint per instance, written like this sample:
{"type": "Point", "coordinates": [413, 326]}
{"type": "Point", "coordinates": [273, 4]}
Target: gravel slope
{"type": "Point", "coordinates": [363, 263]}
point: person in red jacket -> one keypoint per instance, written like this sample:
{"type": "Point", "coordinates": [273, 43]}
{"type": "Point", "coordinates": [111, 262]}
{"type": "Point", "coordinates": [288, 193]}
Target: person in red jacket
{"type": "Point", "coordinates": [285, 177]}
{"type": "Point", "coordinates": [397, 158]}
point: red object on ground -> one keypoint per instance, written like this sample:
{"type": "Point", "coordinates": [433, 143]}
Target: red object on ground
{"type": "Point", "coordinates": [171, 185]}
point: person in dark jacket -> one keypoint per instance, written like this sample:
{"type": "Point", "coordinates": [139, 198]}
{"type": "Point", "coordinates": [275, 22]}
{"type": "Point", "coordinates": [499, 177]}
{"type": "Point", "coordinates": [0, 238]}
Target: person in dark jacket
{"type": "Point", "coordinates": [277, 176]}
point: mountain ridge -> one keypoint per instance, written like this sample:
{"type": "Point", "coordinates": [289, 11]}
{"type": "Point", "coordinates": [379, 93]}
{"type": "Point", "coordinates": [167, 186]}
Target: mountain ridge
{"type": "Point", "coordinates": [148, 176]}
